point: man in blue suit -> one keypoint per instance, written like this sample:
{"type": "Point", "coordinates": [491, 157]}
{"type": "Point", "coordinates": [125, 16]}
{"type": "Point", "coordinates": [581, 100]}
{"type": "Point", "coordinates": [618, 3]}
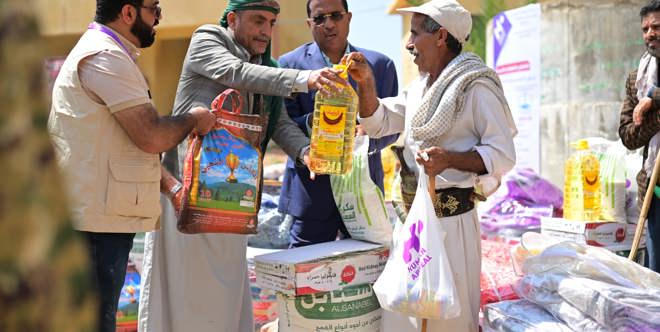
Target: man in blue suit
{"type": "Point", "coordinates": [310, 202]}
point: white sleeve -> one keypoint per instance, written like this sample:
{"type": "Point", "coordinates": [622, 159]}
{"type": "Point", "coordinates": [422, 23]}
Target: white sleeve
{"type": "Point", "coordinates": [496, 139]}
{"type": "Point", "coordinates": [388, 119]}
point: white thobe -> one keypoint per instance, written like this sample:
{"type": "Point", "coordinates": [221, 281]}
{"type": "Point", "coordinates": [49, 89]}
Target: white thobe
{"type": "Point", "coordinates": [483, 126]}
{"type": "Point", "coordinates": [194, 282]}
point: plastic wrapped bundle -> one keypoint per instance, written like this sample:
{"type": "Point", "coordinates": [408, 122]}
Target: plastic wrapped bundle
{"type": "Point", "coordinates": [542, 290]}
{"type": "Point", "coordinates": [618, 308]}
{"type": "Point", "coordinates": [593, 263]}
{"type": "Point", "coordinates": [520, 203]}
{"type": "Point", "coordinates": [622, 309]}
{"type": "Point", "coordinates": [272, 228]}
{"type": "Point", "coordinates": [520, 316]}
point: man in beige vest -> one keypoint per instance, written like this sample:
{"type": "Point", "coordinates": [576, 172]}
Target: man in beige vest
{"type": "Point", "coordinates": [107, 135]}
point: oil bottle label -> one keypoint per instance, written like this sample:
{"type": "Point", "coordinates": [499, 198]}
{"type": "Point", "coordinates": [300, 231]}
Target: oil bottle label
{"type": "Point", "coordinates": [332, 124]}
{"type": "Point", "coordinates": [590, 173]}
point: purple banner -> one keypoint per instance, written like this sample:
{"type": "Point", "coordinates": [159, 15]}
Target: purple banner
{"type": "Point", "coordinates": [501, 28]}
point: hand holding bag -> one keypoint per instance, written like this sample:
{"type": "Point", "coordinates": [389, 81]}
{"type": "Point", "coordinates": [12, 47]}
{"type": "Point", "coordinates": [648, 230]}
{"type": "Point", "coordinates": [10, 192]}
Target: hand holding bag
{"type": "Point", "coordinates": [417, 280]}
{"type": "Point", "coordinates": [222, 172]}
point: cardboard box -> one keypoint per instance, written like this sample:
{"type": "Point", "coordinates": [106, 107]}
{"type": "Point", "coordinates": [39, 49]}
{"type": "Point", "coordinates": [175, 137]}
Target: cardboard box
{"type": "Point", "coordinates": [321, 267]}
{"type": "Point", "coordinates": [354, 308]}
{"type": "Point", "coordinates": [594, 233]}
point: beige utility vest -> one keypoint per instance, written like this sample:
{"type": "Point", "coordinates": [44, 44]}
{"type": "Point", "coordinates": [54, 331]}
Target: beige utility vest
{"type": "Point", "coordinates": [113, 186]}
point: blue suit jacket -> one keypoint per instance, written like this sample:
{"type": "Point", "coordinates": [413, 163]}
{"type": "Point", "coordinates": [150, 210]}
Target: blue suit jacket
{"type": "Point", "coordinates": [300, 196]}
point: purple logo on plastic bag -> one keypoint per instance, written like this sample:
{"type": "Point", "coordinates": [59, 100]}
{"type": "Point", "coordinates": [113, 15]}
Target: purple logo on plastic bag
{"type": "Point", "coordinates": [501, 28]}
{"type": "Point", "coordinates": [413, 242]}
{"type": "Point", "coordinates": [415, 265]}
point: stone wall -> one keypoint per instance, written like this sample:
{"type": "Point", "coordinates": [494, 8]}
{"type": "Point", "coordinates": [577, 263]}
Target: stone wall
{"type": "Point", "coordinates": [588, 47]}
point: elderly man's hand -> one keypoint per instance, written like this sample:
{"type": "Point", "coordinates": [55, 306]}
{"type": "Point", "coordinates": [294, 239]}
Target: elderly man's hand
{"type": "Point", "coordinates": [204, 120]}
{"type": "Point", "coordinates": [325, 80]}
{"type": "Point", "coordinates": [358, 67]}
{"type": "Point", "coordinates": [434, 159]}
{"type": "Point", "coordinates": [642, 107]}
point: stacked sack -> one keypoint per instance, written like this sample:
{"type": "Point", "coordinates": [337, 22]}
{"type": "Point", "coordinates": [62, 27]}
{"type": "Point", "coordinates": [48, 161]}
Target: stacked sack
{"type": "Point", "coordinates": [581, 288]}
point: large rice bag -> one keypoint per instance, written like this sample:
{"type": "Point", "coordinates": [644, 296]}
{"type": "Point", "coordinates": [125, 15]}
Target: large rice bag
{"type": "Point", "coordinates": [222, 172]}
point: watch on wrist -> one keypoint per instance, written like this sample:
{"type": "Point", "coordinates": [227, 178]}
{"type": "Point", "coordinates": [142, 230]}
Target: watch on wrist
{"type": "Point", "coordinates": [175, 189]}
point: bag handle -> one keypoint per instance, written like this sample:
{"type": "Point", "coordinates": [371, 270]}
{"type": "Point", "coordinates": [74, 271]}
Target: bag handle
{"type": "Point", "coordinates": [236, 101]}
{"type": "Point", "coordinates": [426, 182]}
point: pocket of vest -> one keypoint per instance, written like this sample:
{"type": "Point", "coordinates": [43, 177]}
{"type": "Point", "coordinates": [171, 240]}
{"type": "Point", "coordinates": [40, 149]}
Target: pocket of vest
{"type": "Point", "coordinates": [133, 187]}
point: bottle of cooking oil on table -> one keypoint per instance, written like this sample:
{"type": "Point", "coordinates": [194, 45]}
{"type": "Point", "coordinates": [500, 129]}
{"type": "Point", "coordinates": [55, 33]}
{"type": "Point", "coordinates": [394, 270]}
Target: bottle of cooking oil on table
{"type": "Point", "coordinates": [568, 171]}
{"type": "Point", "coordinates": [582, 184]}
{"type": "Point", "coordinates": [333, 130]}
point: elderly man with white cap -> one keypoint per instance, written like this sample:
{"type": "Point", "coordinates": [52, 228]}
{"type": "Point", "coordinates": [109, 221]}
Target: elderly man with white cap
{"type": "Point", "coordinates": [457, 126]}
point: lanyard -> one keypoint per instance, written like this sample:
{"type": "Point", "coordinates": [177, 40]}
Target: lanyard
{"type": "Point", "coordinates": [107, 31]}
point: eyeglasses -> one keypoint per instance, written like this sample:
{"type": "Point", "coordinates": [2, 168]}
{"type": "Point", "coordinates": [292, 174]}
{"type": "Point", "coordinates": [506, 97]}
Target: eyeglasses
{"type": "Point", "coordinates": [334, 16]}
{"type": "Point", "coordinates": [155, 9]}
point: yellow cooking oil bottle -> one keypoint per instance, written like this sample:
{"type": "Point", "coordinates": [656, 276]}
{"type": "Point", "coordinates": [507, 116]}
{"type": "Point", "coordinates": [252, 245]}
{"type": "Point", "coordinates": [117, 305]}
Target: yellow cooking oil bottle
{"type": "Point", "coordinates": [333, 129]}
{"type": "Point", "coordinates": [582, 184]}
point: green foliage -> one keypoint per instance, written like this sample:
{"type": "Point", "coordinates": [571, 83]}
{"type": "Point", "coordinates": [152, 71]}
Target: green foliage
{"type": "Point", "coordinates": [415, 2]}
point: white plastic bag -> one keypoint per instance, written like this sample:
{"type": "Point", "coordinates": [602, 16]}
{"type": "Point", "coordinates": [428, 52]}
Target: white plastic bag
{"type": "Point", "coordinates": [360, 201]}
{"type": "Point", "coordinates": [417, 280]}
{"type": "Point", "coordinates": [634, 161]}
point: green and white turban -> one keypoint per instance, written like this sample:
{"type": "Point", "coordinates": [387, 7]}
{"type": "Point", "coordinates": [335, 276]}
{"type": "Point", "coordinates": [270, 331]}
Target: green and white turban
{"type": "Point", "coordinates": [237, 5]}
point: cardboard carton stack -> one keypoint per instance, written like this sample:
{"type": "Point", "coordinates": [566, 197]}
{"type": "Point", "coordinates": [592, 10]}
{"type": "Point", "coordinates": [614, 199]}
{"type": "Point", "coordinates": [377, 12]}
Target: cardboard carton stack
{"type": "Point", "coordinates": [325, 287]}
{"type": "Point", "coordinates": [611, 235]}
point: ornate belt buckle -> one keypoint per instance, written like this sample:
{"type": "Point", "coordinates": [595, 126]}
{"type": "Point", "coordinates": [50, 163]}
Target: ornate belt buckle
{"type": "Point", "coordinates": [445, 207]}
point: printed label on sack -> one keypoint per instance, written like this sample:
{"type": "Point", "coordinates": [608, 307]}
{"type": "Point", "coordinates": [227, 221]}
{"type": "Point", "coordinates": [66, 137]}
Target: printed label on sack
{"type": "Point", "coordinates": [229, 170]}
{"type": "Point", "coordinates": [353, 309]}
{"type": "Point", "coordinates": [346, 303]}
{"type": "Point", "coordinates": [415, 256]}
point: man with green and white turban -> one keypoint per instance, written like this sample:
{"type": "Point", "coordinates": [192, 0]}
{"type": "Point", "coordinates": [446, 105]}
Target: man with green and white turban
{"type": "Point", "coordinates": [199, 282]}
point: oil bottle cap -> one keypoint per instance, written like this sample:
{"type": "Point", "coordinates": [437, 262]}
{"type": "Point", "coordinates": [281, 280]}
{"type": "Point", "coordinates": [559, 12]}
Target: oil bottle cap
{"type": "Point", "coordinates": [344, 73]}
{"type": "Point", "coordinates": [582, 144]}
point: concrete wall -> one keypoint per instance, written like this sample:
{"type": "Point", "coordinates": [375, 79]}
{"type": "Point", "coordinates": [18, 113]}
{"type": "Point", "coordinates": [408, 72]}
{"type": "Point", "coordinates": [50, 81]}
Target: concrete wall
{"type": "Point", "coordinates": [588, 47]}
